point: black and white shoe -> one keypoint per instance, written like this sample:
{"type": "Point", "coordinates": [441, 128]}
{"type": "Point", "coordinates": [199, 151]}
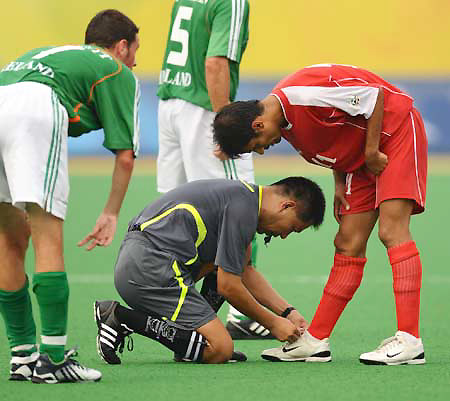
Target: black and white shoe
{"type": "Point", "coordinates": [68, 371]}
{"type": "Point", "coordinates": [22, 365]}
{"type": "Point", "coordinates": [111, 334]}
{"type": "Point", "coordinates": [237, 356]}
{"type": "Point", "coordinates": [248, 329]}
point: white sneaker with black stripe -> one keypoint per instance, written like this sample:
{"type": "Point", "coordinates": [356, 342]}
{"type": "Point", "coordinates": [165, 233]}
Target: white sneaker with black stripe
{"type": "Point", "coordinates": [248, 329]}
{"type": "Point", "coordinates": [68, 371]}
{"type": "Point", "coordinates": [22, 365]}
{"type": "Point", "coordinates": [306, 349]}
{"type": "Point", "coordinates": [402, 349]}
{"type": "Point", "coordinates": [111, 334]}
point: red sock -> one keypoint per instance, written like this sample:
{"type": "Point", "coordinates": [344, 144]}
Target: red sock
{"type": "Point", "coordinates": [344, 280]}
{"type": "Point", "coordinates": [407, 276]}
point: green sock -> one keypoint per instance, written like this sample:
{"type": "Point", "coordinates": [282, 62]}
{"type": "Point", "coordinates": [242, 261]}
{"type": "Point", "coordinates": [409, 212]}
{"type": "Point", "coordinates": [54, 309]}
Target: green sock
{"type": "Point", "coordinates": [52, 293]}
{"type": "Point", "coordinates": [15, 307]}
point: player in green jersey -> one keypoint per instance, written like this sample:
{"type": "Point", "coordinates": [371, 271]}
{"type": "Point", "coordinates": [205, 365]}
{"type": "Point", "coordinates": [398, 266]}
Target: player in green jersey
{"type": "Point", "coordinates": [47, 95]}
{"type": "Point", "coordinates": [200, 75]}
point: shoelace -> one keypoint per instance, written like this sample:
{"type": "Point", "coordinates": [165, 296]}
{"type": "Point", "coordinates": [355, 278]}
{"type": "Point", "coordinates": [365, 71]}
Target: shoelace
{"type": "Point", "coordinates": [130, 343]}
{"type": "Point", "coordinates": [73, 352]}
{"type": "Point", "coordinates": [389, 344]}
{"type": "Point", "coordinates": [70, 354]}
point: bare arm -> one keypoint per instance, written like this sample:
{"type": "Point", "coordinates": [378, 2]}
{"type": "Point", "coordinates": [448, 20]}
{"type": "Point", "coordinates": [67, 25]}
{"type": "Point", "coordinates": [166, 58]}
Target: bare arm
{"type": "Point", "coordinates": [339, 194]}
{"type": "Point", "coordinates": [231, 287]}
{"type": "Point", "coordinates": [266, 295]}
{"type": "Point", "coordinates": [217, 76]}
{"type": "Point", "coordinates": [105, 227]}
{"type": "Point", "coordinates": [376, 161]}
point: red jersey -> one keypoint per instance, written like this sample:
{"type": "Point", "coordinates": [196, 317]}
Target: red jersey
{"type": "Point", "coordinates": [327, 107]}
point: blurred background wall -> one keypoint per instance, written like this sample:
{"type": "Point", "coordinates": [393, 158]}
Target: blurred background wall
{"type": "Point", "coordinates": [405, 41]}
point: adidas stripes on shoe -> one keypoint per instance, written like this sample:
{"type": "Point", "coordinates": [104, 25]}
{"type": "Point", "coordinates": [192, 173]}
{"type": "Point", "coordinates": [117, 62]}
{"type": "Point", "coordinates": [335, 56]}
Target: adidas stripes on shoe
{"type": "Point", "coordinates": [68, 371]}
{"type": "Point", "coordinates": [111, 334]}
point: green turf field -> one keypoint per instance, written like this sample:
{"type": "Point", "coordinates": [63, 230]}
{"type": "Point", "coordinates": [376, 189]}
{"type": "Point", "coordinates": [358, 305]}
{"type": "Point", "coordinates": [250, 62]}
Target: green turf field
{"type": "Point", "coordinates": [297, 267]}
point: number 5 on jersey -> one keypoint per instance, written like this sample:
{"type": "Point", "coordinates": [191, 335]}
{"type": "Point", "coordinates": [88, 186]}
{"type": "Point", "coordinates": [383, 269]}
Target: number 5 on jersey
{"type": "Point", "coordinates": [181, 36]}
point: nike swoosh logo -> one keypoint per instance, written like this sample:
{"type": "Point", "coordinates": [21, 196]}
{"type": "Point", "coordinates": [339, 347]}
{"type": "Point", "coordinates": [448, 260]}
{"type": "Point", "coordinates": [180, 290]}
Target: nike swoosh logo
{"type": "Point", "coordinates": [391, 356]}
{"type": "Point", "coordinates": [289, 349]}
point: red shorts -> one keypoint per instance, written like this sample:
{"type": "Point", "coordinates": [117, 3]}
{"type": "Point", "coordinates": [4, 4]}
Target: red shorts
{"type": "Point", "coordinates": [405, 176]}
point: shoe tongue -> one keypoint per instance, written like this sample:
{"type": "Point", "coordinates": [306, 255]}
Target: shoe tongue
{"type": "Point", "coordinates": [406, 336]}
{"type": "Point", "coordinates": [71, 352]}
{"type": "Point", "coordinates": [311, 338]}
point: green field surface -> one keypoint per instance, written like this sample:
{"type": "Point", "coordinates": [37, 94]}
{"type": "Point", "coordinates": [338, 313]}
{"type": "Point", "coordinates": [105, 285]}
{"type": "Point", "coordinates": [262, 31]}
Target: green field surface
{"type": "Point", "coordinates": [297, 267]}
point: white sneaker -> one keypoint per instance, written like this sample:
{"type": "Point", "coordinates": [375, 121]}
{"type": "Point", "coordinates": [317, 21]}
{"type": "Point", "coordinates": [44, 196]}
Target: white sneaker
{"type": "Point", "coordinates": [68, 371]}
{"type": "Point", "coordinates": [402, 349]}
{"type": "Point", "coordinates": [306, 349]}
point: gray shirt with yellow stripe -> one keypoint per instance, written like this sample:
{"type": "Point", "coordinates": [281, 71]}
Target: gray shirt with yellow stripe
{"type": "Point", "coordinates": [202, 222]}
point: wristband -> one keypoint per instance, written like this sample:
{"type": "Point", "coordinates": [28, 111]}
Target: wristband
{"type": "Point", "coordinates": [286, 312]}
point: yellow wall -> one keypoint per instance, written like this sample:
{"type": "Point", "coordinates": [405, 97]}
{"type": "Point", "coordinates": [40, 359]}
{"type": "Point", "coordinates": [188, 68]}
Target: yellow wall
{"type": "Point", "coordinates": [396, 37]}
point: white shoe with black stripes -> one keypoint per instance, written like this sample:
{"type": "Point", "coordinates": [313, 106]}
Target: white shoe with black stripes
{"type": "Point", "coordinates": [401, 349]}
{"type": "Point", "coordinates": [248, 329]}
{"type": "Point", "coordinates": [111, 334]}
{"type": "Point", "coordinates": [306, 349]}
{"type": "Point", "coordinates": [68, 371]}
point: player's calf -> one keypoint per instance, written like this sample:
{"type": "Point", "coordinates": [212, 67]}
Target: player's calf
{"type": "Point", "coordinates": [115, 322]}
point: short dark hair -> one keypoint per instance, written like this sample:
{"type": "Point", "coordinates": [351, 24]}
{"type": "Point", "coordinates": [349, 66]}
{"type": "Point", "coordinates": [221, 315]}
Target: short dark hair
{"type": "Point", "coordinates": [232, 126]}
{"type": "Point", "coordinates": [109, 27]}
{"type": "Point", "coordinates": [309, 197]}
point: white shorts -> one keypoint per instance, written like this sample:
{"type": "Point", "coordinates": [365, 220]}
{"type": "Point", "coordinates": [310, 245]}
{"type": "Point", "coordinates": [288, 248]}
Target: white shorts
{"type": "Point", "coordinates": [186, 147]}
{"type": "Point", "coordinates": [33, 148]}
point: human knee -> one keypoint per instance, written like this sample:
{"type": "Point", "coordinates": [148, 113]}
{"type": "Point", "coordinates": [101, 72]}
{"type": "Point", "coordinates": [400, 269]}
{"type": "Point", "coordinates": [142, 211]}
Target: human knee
{"type": "Point", "coordinates": [350, 244]}
{"type": "Point", "coordinates": [391, 234]}
{"type": "Point", "coordinates": [220, 352]}
{"type": "Point", "coordinates": [15, 236]}
{"type": "Point", "coordinates": [17, 242]}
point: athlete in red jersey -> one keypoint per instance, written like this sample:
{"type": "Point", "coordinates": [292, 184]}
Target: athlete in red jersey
{"type": "Point", "coordinates": [368, 131]}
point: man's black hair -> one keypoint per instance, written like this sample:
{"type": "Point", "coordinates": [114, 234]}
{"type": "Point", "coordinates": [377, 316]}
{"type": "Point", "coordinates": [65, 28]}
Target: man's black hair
{"type": "Point", "coordinates": [232, 126]}
{"type": "Point", "coordinates": [309, 196]}
{"type": "Point", "coordinates": [109, 27]}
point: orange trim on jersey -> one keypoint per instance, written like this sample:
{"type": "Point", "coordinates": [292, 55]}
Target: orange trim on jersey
{"type": "Point", "coordinates": [75, 110]}
{"type": "Point", "coordinates": [104, 79]}
{"type": "Point", "coordinates": [91, 93]}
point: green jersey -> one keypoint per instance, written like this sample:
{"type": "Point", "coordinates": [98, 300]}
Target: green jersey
{"type": "Point", "coordinates": [97, 90]}
{"type": "Point", "coordinates": [200, 29]}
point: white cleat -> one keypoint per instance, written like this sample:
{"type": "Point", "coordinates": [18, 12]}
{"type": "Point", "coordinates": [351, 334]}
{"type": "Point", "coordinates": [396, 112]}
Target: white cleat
{"type": "Point", "coordinates": [306, 349]}
{"type": "Point", "coordinates": [402, 349]}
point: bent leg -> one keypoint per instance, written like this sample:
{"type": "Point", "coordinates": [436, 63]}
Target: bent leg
{"type": "Point", "coordinates": [50, 283]}
{"type": "Point", "coordinates": [346, 273]}
{"type": "Point", "coordinates": [219, 348]}
{"type": "Point", "coordinates": [405, 261]}
{"type": "Point", "coordinates": [14, 238]}
{"type": "Point", "coordinates": [210, 343]}
{"type": "Point", "coordinates": [15, 302]}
